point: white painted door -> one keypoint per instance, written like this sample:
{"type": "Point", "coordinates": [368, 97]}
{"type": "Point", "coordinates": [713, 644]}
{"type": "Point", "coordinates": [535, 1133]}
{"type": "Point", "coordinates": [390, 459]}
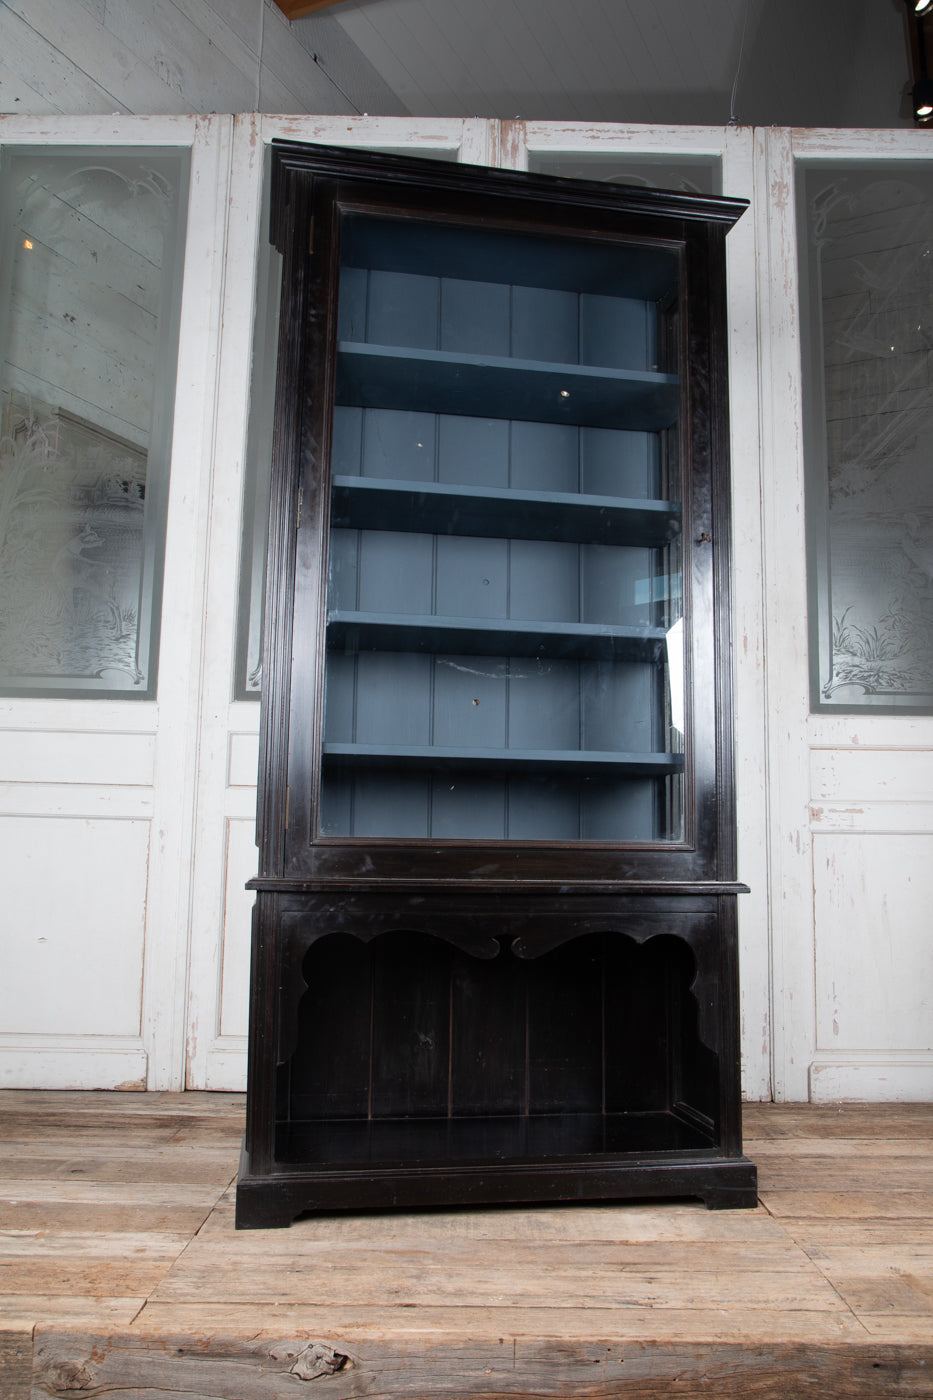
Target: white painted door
{"type": "Point", "coordinates": [98, 795]}
{"type": "Point", "coordinates": [127, 825]}
{"type": "Point", "coordinates": [850, 795]}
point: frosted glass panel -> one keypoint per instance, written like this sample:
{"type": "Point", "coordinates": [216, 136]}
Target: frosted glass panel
{"type": "Point", "coordinates": [92, 254]}
{"type": "Point", "coordinates": [867, 268]}
{"type": "Point", "coordinates": [693, 175]}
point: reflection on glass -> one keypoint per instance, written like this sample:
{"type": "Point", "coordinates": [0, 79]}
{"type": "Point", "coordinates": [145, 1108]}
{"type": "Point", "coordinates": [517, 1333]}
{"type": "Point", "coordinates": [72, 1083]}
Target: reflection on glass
{"type": "Point", "coordinates": [867, 268]}
{"type": "Point", "coordinates": [92, 244]}
{"type": "Point", "coordinates": [258, 465]}
{"type": "Point", "coordinates": [674, 642]}
{"type": "Point", "coordinates": [504, 557]}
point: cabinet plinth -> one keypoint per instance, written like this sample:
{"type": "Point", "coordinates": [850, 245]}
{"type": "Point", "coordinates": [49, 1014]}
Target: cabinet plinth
{"type": "Point", "coordinates": [494, 942]}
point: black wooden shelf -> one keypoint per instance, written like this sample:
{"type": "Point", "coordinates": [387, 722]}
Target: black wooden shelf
{"type": "Point", "coordinates": [500, 1137]}
{"type": "Point", "coordinates": [481, 636]}
{"type": "Point", "coordinates": [375, 503]}
{"type": "Point", "coordinates": [497, 386]}
{"type": "Point", "coordinates": [577, 761]}
{"type": "Point", "coordinates": [501, 968]}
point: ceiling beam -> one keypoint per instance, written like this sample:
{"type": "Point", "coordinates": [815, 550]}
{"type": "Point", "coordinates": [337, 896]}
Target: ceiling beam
{"type": "Point", "coordinates": [297, 9]}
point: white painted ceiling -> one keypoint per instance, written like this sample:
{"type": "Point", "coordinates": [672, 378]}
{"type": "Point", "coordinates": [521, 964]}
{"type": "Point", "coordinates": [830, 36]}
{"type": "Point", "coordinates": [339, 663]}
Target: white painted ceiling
{"type": "Point", "coordinates": [758, 62]}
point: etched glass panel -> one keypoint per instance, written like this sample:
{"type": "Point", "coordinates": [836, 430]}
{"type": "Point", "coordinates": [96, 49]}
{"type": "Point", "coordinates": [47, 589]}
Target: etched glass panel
{"type": "Point", "coordinates": [866, 241]}
{"type": "Point", "coordinates": [691, 174]}
{"type": "Point", "coordinates": [93, 242]}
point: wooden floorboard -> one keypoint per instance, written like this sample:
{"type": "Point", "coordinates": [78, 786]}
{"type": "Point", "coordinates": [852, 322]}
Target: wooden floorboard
{"type": "Point", "coordinates": [121, 1271]}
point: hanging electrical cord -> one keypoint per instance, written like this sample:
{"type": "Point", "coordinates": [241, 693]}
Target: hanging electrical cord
{"type": "Point", "coordinates": [333, 82]}
{"type": "Point", "coordinates": [733, 119]}
{"type": "Point", "coordinates": [262, 35]}
{"type": "Point", "coordinates": [315, 58]}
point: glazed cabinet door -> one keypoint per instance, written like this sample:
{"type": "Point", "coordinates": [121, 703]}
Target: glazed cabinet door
{"type": "Point", "coordinates": [498, 609]}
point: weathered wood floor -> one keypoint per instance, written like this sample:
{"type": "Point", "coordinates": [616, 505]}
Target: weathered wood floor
{"type": "Point", "coordinates": [120, 1271]}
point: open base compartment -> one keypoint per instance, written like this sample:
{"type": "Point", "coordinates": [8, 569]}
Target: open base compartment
{"type": "Point", "coordinates": [433, 1056]}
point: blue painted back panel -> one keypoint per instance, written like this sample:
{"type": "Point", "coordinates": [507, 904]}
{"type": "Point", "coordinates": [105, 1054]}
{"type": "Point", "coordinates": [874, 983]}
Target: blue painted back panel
{"type": "Point", "coordinates": [474, 317]}
{"type": "Point", "coordinates": [396, 572]}
{"type": "Point", "coordinates": [545, 325]}
{"type": "Point", "coordinates": [616, 462]}
{"type": "Point", "coordinates": [394, 442]}
{"type": "Point", "coordinates": [640, 270]}
{"type": "Point", "coordinates": [496, 703]}
{"type": "Point", "coordinates": [389, 804]}
{"type": "Point", "coordinates": [544, 457]}
{"type": "Point", "coordinates": [468, 806]}
{"type": "Point", "coordinates": [403, 309]}
{"type": "Point", "coordinates": [466, 451]}
{"type": "Point", "coordinates": [471, 702]}
{"type": "Point", "coordinates": [487, 318]}
{"type": "Point", "coordinates": [472, 576]}
{"type": "Point", "coordinates": [473, 451]}
{"type": "Point", "coordinates": [544, 581]}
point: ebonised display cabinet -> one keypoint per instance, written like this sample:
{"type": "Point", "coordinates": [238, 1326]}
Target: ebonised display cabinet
{"type": "Point", "coordinates": [494, 939]}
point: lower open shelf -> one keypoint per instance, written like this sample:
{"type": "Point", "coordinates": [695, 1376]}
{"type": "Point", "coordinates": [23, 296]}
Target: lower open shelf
{"type": "Point", "coordinates": [393, 1142]}
{"type": "Point", "coordinates": [273, 1198]}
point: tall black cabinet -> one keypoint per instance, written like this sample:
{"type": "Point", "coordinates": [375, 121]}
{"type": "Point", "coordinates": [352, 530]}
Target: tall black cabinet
{"type": "Point", "coordinates": [494, 943]}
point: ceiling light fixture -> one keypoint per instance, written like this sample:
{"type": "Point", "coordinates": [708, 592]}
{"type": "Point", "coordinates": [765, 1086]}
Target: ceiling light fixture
{"type": "Point", "coordinates": [919, 15]}
{"type": "Point", "coordinates": [923, 100]}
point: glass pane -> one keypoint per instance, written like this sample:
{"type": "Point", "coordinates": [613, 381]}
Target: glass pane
{"type": "Point", "coordinates": [691, 174]}
{"type": "Point", "coordinates": [866, 242]}
{"type": "Point", "coordinates": [257, 484]}
{"type": "Point", "coordinates": [92, 254]}
{"type": "Point", "coordinates": [248, 665]}
{"type": "Point", "coordinates": [505, 649]}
